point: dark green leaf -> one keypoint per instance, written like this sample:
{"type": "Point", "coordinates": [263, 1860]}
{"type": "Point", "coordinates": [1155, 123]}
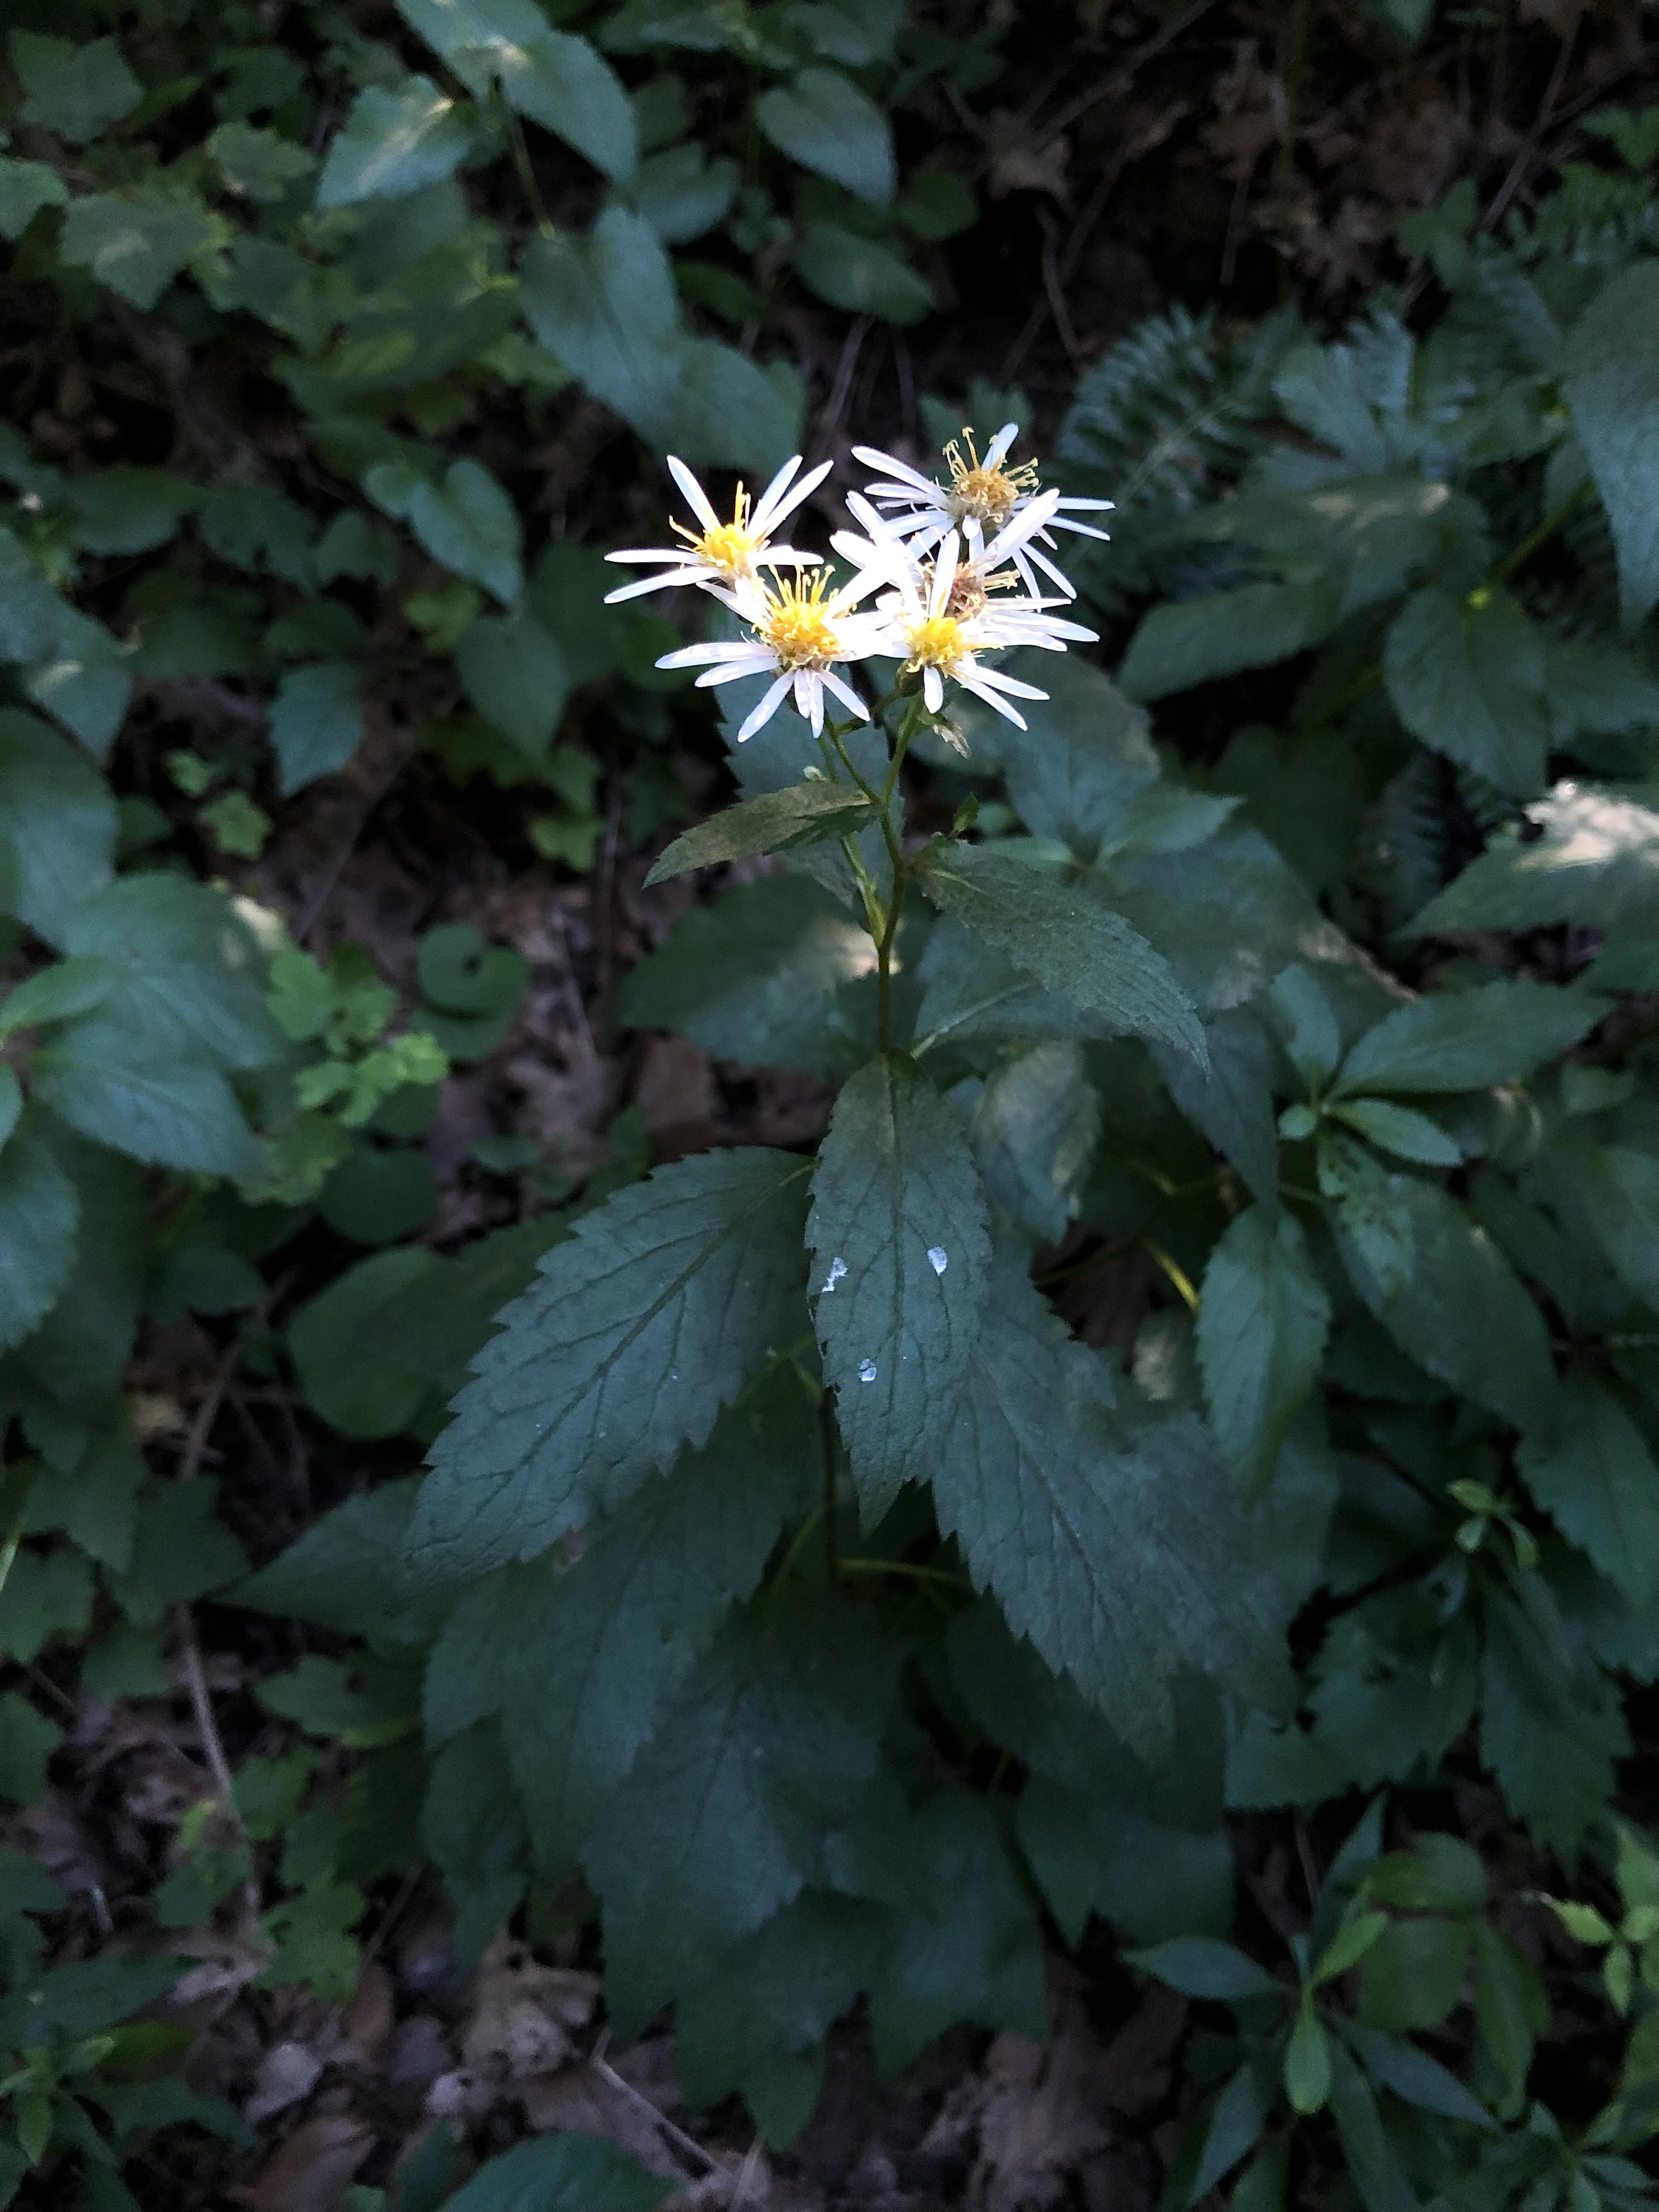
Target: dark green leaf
{"type": "Point", "coordinates": [1416, 2079]}
{"type": "Point", "coordinates": [38, 1215]}
{"type": "Point", "coordinates": [516, 676]}
{"type": "Point", "coordinates": [763, 1754]}
{"type": "Point", "coordinates": [1120, 1550]}
{"type": "Point", "coordinates": [803, 814]}
{"type": "Point", "coordinates": [1619, 1189]}
{"type": "Point", "coordinates": [855, 273]}
{"type": "Point", "coordinates": [1468, 678]}
{"type": "Point", "coordinates": [1595, 1476]}
{"type": "Point", "coordinates": [756, 975]}
{"type": "Point", "coordinates": [316, 722]}
{"type": "Point", "coordinates": [1232, 1103]}
{"type": "Point", "coordinates": [1067, 938]}
{"type": "Point", "coordinates": [26, 187]}
{"type": "Point", "coordinates": [822, 120]}
{"type": "Point", "coordinates": [1187, 641]}
{"type": "Point", "coordinates": [1199, 1966]}
{"type": "Point", "coordinates": [353, 1392]}
{"type": "Point", "coordinates": [1400, 1130]}
{"type": "Point", "coordinates": [1466, 1040]}
{"type": "Point", "coordinates": [1412, 1975]}
{"type": "Point", "coordinates": [560, 2173]}
{"type": "Point", "coordinates": [1551, 1729]}
{"type": "Point", "coordinates": [1034, 1132]}
{"type": "Point", "coordinates": [57, 826]}
{"type": "Point", "coordinates": [640, 1327]}
{"type": "Point", "coordinates": [76, 91]}
{"type": "Point", "coordinates": [579, 1660]}
{"type": "Point", "coordinates": [135, 242]}
{"type": "Point", "coordinates": [471, 525]}
{"type": "Point", "coordinates": [900, 1248]}
{"type": "Point", "coordinates": [1262, 1327]}
{"type": "Point", "coordinates": [1612, 386]}
{"type": "Point", "coordinates": [554, 79]}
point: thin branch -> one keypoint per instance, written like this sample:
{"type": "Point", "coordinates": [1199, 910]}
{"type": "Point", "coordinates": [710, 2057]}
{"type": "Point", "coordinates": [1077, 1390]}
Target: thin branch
{"type": "Point", "coordinates": [642, 2104]}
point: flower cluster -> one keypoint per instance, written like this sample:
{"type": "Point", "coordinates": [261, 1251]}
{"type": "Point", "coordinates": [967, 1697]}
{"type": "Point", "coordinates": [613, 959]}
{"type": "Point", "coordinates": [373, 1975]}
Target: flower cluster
{"type": "Point", "coordinates": [942, 574]}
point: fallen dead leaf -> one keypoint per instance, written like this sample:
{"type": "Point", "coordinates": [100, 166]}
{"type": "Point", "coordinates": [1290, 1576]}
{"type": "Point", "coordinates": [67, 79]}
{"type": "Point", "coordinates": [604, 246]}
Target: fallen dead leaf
{"type": "Point", "coordinates": [288, 2072]}
{"type": "Point", "coordinates": [581, 2102]}
{"type": "Point", "coordinates": [1030, 2116]}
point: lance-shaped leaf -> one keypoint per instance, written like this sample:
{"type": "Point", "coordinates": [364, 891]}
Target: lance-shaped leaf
{"type": "Point", "coordinates": [640, 1328]}
{"type": "Point", "coordinates": [1065, 936]}
{"type": "Point", "coordinates": [1117, 1545]}
{"type": "Point", "coordinates": [1467, 1040]}
{"type": "Point", "coordinates": [38, 1215]}
{"type": "Point", "coordinates": [1261, 1330]}
{"type": "Point", "coordinates": [900, 1248]}
{"type": "Point", "coordinates": [579, 1660]}
{"type": "Point", "coordinates": [804, 814]}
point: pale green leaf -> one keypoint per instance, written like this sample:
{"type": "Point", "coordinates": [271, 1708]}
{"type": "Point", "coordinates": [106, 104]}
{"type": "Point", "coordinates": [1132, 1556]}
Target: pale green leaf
{"type": "Point", "coordinates": [258, 165]}
{"type": "Point", "coordinates": [1595, 1478]}
{"type": "Point", "coordinates": [640, 1329]}
{"type": "Point", "coordinates": [395, 141]}
{"type": "Point", "coordinates": [803, 814]}
{"type": "Point", "coordinates": [1262, 1322]}
{"type": "Point", "coordinates": [1066, 939]}
{"type": "Point", "coordinates": [822, 120]}
{"type": "Point", "coordinates": [900, 1248]}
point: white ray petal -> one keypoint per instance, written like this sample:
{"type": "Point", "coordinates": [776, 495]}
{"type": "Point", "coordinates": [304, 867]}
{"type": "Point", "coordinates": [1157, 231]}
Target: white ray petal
{"type": "Point", "coordinates": [932, 689]}
{"type": "Point", "coordinates": [945, 574]}
{"type": "Point", "coordinates": [775, 489]}
{"type": "Point", "coordinates": [845, 693]}
{"type": "Point", "coordinates": [768, 517]}
{"type": "Point", "coordinates": [890, 464]}
{"type": "Point", "coordinates": [1000, 445]}
{"type": "Point", "coordinates": [764, 712]}
{"type": "Point", "coordinates": [637, 591]}
{"type": "Point", "coordinates": [696, 497]}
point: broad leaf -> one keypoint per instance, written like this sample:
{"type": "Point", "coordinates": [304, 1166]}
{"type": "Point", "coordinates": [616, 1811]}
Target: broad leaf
{"type": "Point", "coordinates": [764, 974]}
{"type": "Point", "coordinates": [396, 140]}
{"type": "Point", "coordinates": [517, 677]}
{"type": "Point", "coordinates": [1551, 1730]}
{"type": "Point", "coordinates": [559, 2173]}
{"type": "Point", "coordinates": [76, 91]}
{"type": "Point", "coordinates": [1034, 1132]}
{"type": "Point", "coordinates": [1456, 1307]}
{"type": "Point", "coordinates": [1118, 1547]}
{"type": "Point", "coordinates": [803, 814]}
{"type": "Point", "coordinates": [39, 1211]}
{"type": "Point", "coordinates": [579, 1660]}
{"type": "Point", "coordinates": [1595, 1476]}
{"type": "Point", "coordinates": [1469, 680]}
{"type": "Point", "coordinates": [316, 722]}
{"type": "Point", "coordinates": [1596, 861]}
{"type": "Point", "coordinates": [900, 1247]}
{"type": "Point", "coordinates": [1187, 641]}
{"type": "Point", "coordinates": [762, 1756]}
{"type": "Point", "coordinates": [1067, 938]}
{"type": "Point", "coordinates": [822, 120]}
{"type": "Point", "coordinates": [640, 1328]}
{"type": "Point", "coordinates": [1231, 1104]}
{"type": "Point", "coordinates": [1619, 1189]}
{"type": "Point", "coordinates": [26, 187]}
{"type": "Point", "coordinates": [857, 274]}
{"type": "Point", "coordinates": [1612, 386]}
{"type": "Point", "coordinates": [135, 242]}
{"type": "Point", "coordinates": [1261, 1328]}
{"type": "Point", "coordinates": [1467, 1040]}
{"type": "Point", "coordinates": [556, 80]}
{"type": "Point", "coordinates": [471, 525]}
{"type": "Point", "coordinates": [58, 826]}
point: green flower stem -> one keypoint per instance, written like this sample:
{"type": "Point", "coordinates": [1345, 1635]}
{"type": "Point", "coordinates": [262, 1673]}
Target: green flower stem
{"type": "Point", "coordinates": [521, 151]}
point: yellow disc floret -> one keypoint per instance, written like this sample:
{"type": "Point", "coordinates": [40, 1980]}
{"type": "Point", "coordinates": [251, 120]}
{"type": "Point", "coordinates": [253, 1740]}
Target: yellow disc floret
{"type": "Point", "coordinates": [729, 546]}
{"type": "Point", "coordinates": [798, 623]}
{"type": "Point", "coordinates": [990, 495]}
{"type": "Point", "coordinates": [935, 642]}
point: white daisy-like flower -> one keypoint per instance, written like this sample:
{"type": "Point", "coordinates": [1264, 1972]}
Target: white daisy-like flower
{"type": "Point", "coordinates": [799, 631]}
{"type": "Point", "coordinates": [718, 554]}
{"type": "Point", "coordinates": [939, 618]}
{"type": "Point", "coordinates": [983, 491]}
{"type": "Point", "coordinates": [982, 570]}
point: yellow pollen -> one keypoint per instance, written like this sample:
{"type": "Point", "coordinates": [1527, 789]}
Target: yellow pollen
{"type": "Point", "coordinates": [797, 625]}
{"type": "Point", "coordinates": [936, 642]}
{"type": "Point", "coordinates": [989, 495]}
{"type": "Point", "coordinates": [729, 546]}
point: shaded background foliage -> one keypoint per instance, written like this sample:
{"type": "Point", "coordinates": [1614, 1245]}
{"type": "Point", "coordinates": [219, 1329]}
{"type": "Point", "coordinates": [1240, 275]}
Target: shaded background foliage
{"type": "Point", "coordinates": [338, 341]}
